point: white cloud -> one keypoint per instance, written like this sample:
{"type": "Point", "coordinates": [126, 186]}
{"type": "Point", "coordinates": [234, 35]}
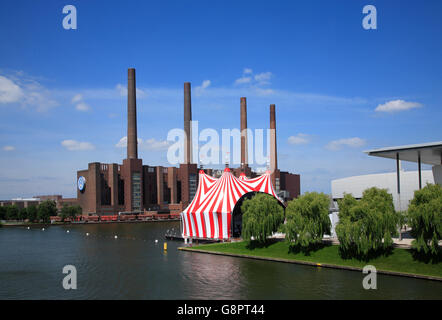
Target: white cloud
{"type": "Point", "coordinates": [205, 84]}
{"type": "Point", "coordinates": [200, 89]}
{"type": "Point", "coordinates": [41, 100]}
{"type": "Point", "coordinates": [243, 80]}
{"type": "Point", "coordinates": [150, 144]}
{"type": "Point", "coordinates": [348, 142]}
{"type": "Point", "coordinates": [155, 145]}
{"type": "Point", "coordinates": [263, 78]}
{"type": "Point", "coordinates": [123, 142]}
{"type": "Point", "coordinates": [9, 91]}
{"type": "Point", "coordinates": [8, 148]}
{"type": "Point", "coordinates": [397, 105]}
{"type": "Point", "coordinates": [300, 138]}
{"type": "Point", "coordinates": [26, 91]}
{"type": "Point", "coordinates": [82, 107]}
{"type": "Point", "coordinates": [259, 79]}
{"type": "Point", "coordinates": [247, 71]}
{"type": "Point", "coordinates": [74, 145]}
{"type": "Point", "coordinates": [80, 104]}
{"type": "Point", "coordinates": [77, 98]}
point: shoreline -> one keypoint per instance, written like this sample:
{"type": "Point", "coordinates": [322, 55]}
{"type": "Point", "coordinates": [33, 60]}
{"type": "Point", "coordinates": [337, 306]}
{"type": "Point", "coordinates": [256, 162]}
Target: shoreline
{"type": "Point", "coordinates": [83, 223]}
{"type": "Point", "coordinates": [312, 264]}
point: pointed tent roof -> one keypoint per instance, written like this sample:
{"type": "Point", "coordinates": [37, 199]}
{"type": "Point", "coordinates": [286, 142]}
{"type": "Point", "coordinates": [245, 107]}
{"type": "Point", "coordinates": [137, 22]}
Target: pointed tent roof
{"type": "Point", "coordinates": [209, 213]}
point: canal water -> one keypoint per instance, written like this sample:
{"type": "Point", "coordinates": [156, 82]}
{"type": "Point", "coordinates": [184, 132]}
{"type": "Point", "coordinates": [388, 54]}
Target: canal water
{"type": "Point", "coordinates": [133, 266]}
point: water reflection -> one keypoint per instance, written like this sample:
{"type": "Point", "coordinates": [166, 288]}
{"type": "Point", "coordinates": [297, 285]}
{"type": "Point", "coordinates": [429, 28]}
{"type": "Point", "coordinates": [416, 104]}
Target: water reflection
{"type": "Point", "coordinates": [133, 266]}
{"type": "Point", "coordinates": [211, 276]}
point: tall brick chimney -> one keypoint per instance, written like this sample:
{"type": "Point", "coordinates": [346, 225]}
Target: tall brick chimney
{"type": "Point", "coordinates": [188, 171]}
{"type": "Point", "coordinates": [244, 149]}
{"type": "Point", "coordinates": [132, 168]}
{"type": "Point", "coordinates": [132, 147]}
{"type": "Point", "coordinates": [273, 151]}
{"type": "Point", "coordinates": [187, 124]}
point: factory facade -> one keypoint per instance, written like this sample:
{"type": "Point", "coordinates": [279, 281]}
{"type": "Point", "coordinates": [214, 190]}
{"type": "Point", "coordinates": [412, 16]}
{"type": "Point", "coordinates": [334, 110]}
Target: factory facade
{"type": "Point", "coordinates": [133, 187]}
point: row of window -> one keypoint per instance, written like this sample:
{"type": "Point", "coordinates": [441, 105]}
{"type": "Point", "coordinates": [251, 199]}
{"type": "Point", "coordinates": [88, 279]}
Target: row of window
{"type": "Point", "coordinates": [136, 191]}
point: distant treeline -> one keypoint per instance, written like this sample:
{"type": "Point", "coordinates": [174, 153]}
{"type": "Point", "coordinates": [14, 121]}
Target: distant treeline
{"type": "Point", "coordinates": [38, 213]}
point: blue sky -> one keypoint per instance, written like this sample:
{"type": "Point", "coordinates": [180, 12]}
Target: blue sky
{"type": "Point", "coordinates": [339, 89]}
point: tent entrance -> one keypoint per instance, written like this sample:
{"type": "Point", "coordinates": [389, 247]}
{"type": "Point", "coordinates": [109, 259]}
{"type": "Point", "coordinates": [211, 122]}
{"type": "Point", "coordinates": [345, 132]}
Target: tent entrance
{"type": "Point", "coordinates": [236, 224]}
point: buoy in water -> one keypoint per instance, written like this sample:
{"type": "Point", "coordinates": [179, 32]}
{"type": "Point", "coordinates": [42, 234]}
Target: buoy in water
{"type": "Point", "coordinates": [29, 228]}
{"type": "Point", "coordinates": [115, 237]}
{"type": "Point", "coordinates": [43, 229]}
{"type": "Point", "coordinates": [67, 231]}
{"type": "Point", "coordinates": [87, 234]}
{"type": "Point", "coordinates": [165, 246]}
{"type": "Point", "coordinates": [156, 241]}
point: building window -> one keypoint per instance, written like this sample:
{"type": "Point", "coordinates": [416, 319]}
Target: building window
{"type": "Point", "coordinates": [105, 192]}
{"type": "Point", "coordinates": [192, 186]}
{"type": "Point", "coordinates": [136, 191]}
{"type": "Point", "coordinates": [120, 191]}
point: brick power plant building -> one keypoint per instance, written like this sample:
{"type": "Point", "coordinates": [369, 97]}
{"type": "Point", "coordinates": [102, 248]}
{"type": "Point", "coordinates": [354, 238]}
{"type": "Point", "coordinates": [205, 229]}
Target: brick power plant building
{"type": "Point", "coordinates": [106, 189]}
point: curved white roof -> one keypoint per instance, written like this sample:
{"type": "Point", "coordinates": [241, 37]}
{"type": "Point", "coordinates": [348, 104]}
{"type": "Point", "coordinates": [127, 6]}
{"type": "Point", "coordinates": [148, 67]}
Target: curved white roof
{"type": "Point", "coordinates": [430, 153]}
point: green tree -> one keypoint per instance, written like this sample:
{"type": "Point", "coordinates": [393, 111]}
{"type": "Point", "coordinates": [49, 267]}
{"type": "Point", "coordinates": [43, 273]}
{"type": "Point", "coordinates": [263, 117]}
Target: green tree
{"type": "Point", "coordinates": [345, 204]}
{"type": "Point", "coordinates": [70, 212]}
{"type": "Point", "coordinates": [32, 213]}
{"type": "Point", "coordinates": [307, 219]}
{"type": "Point", "coordinates": [262, 215]}
{"type": "Point", "coordinates": [12, 212]}
{"type": "Point", "coordinates": [23, 214]}
{"type": "Point", "coordinates": [64, 213]}
{"type": "Point", "coordinates": [76, 211]}
{"type": "Point", "coordinates": [425, 215]}
{"type": "Point", "coordinates": [2, 213]}
{"type": "Point", "coordinates": [366, 227]}
{"type": "Point", "coordinates": [46, 209]}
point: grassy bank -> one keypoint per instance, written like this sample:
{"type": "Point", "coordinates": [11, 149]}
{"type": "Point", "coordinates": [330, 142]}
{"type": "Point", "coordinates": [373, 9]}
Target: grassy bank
{"type": "Point", "coordinates": [400, 260]}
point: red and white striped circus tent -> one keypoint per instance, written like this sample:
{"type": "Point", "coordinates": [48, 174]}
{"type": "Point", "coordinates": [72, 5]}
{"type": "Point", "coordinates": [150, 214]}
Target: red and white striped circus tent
{"type": "Point", "coordinates": [210, 212]}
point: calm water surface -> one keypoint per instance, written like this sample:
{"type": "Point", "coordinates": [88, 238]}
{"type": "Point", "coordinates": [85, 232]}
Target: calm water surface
{"type": "Point", "coordinates": [135, 267]}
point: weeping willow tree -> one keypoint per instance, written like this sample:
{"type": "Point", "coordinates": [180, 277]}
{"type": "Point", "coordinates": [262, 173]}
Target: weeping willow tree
{"type": "Point", "coordinates": [367, 226]}
{"type": "Point", "coordinates": [307, 219]}
{"type": "Point", "coordinates": [262, 215]}
{"type": "Point", "coordinates": [425, 218]}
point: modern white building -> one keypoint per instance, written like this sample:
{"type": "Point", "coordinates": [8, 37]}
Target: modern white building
{"type": "Point", "coordinates": [357, 184]}
{"type": "Point", "coordinates": [401, 184]}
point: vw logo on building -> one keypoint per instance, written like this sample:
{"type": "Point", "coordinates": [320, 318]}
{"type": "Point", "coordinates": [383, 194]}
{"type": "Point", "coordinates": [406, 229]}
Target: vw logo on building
{"type": "Point", "coordinates": [81, 183]}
